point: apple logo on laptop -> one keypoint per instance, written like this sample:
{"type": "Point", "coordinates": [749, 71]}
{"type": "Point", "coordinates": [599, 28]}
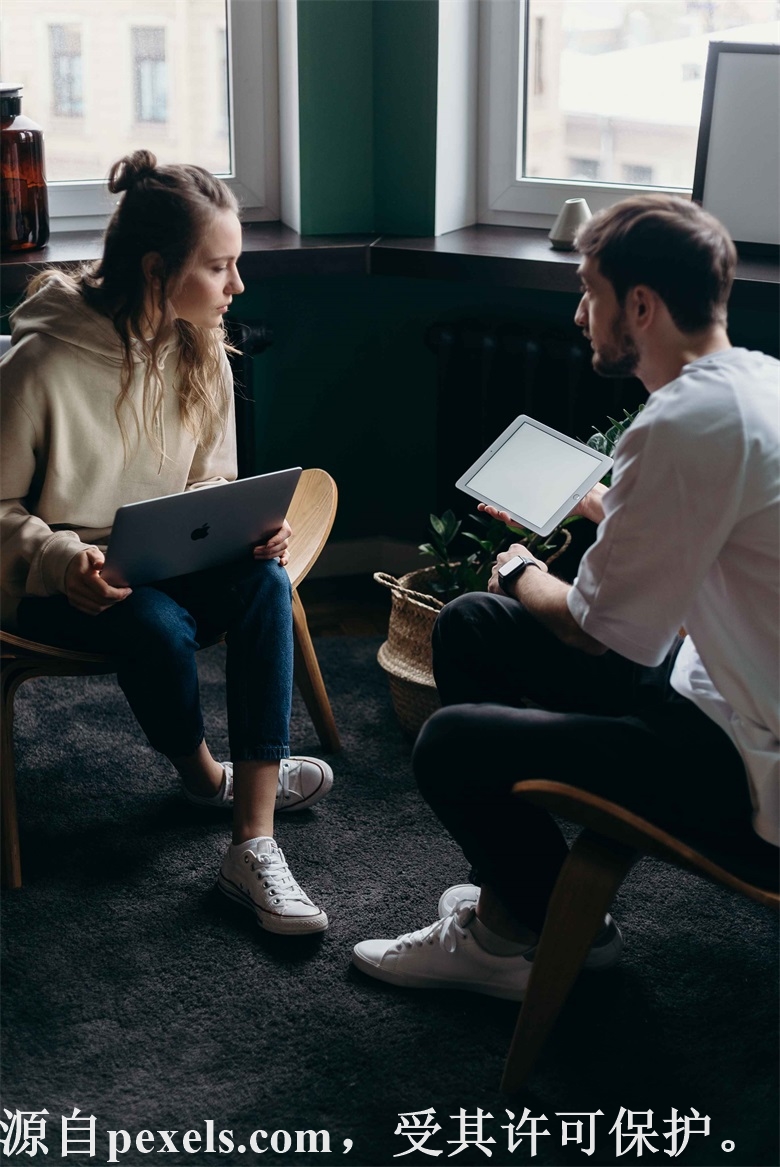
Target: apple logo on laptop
{"type": "Point", "coordinates": [200, 532]}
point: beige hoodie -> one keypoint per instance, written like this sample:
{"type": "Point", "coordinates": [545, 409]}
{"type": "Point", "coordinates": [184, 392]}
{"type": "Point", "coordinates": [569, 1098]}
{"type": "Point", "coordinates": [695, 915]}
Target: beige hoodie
{"type": "Point", "coordinates": [63, 469]}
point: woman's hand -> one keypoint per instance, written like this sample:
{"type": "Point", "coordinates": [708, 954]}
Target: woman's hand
{"type": "Point", "coordinates": [87, 592]}
{"type": "Point", "coordinates": [276, 546]}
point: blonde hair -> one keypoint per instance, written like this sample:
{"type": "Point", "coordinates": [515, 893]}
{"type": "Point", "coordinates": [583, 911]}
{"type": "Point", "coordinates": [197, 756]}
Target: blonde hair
{"type": "Point", "coordinates": [163, 210]}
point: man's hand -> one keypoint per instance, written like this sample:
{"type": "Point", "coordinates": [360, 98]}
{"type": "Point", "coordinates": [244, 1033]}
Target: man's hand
{"type": "Point", "coordinates": [592, 505]}
{"type": "Point", "coordinates": [86, 591]}
{"type": "Point", "coordinates": [276, 546]}
{"type": "Point", "coordinates": [495, 513]}
{"type": "Point", "coordinates": [504, 557]}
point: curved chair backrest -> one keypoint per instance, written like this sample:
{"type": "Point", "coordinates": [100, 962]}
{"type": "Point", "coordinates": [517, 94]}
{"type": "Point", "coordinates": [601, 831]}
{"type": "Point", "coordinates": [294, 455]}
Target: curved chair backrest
{"type": "Point", "coordinates": [311, 516]}
{"type": "Point", "coordinates": [598, 861]}
{"type": "Point", "coordinates": [615, 822]}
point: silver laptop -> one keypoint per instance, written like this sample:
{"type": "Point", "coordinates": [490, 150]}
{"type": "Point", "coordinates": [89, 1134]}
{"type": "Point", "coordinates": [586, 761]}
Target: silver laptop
{"type": "Point", "coordinates": [181, 533]}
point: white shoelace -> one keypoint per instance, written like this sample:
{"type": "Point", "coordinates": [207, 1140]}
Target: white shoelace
{"type": "Point", "coordinates": [448, 931]}
{"type": "Point", "coordinates": [287, 767]}
{"type": "Point", "coordinates": [277, 878]}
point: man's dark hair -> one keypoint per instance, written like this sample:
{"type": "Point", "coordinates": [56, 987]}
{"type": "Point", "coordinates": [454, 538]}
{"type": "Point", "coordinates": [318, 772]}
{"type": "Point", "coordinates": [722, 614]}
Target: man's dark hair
{"type": "Point", "coordinates": [670, 245]}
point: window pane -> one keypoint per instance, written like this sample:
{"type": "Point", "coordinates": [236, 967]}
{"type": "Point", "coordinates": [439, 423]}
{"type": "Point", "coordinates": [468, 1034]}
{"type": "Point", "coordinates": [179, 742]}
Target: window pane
{"type": "Point", "coordinates": [65, 58]}
{"type": "Point", "coordinates": [613, 88]}
{"type": "Point", "coordinates": [150, 75]}
{"type": "Point", "coordinates": [109, 78]}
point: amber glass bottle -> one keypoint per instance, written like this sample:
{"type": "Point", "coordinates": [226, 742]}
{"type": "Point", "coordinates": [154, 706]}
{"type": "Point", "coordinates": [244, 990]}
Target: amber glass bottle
{"type": "Point", "coordinates": [24, 206]}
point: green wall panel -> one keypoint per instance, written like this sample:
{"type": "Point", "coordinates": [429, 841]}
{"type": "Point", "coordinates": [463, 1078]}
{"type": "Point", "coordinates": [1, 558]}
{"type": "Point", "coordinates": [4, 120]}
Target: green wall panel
{"type": "Point", "coordinates": [405, 89]}
{"type": "Point", "coordinates": [367, 87]}
{"type": "Point", "coordinates": [335, 67]}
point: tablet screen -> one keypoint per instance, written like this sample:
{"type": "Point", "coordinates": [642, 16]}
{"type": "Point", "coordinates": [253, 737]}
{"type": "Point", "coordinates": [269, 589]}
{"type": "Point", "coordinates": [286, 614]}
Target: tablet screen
{"type": "Point", "coordinates": [533, 473]}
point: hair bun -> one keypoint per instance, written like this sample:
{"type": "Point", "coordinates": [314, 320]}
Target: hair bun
{"type": "Point", "coordinates": [129, 170]}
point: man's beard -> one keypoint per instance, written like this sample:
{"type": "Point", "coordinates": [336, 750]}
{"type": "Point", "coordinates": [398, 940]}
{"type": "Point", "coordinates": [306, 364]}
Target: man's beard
{"type": "Point", "coordinates": [621, 358]}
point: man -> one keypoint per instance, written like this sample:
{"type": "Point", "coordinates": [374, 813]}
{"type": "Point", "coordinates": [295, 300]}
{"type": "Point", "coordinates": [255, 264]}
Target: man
{"type": "Point", "coordinates": [590, 683]}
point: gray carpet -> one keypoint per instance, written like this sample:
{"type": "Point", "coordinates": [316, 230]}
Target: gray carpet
{"type": "Point", "coordinates": [134, 991]}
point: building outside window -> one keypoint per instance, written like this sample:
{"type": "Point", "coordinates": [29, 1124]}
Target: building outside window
{"type": "Point", "coordinates": [66, 71]}
{"type": "Point", "coordinates": [627, 69]}
{"type": "Point", "coordinates": [615, 98]}
{"type": "Point", "coordinates": [538, 56]}
{"type": "Point", "coordinates": [150, 75]}
{"type": "Point", "coordinates": [637, 175]}
{"type": "Point", "coordinates": [584, 168]}
{"type": "Point", "coordinates": [192, 80]}
{"type": "Point", "coordinates": [222, 83]}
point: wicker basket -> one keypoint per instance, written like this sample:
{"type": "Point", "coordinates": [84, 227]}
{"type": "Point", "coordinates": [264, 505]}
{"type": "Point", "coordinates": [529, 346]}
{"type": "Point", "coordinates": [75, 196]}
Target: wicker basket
{"type": "Point", "coordinates": [406, 654]}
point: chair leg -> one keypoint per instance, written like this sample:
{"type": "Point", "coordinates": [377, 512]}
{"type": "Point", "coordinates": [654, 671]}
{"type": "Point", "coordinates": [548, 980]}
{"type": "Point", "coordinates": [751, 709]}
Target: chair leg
{"type": "Point", "coordinates": [309, 679]}
{"type": "Point", "coordinates": [10, 855]}
{"type": "Point", "coordinates": [585, 889]}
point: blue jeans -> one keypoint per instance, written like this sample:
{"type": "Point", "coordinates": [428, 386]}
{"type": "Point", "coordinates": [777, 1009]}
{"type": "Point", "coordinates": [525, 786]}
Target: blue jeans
{"type": "Point", "coordinates": [155, 634]}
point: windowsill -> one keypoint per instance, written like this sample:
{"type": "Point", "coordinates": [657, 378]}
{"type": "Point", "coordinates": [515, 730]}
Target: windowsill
{"type": "Point", "coordinates": [519, 257]}
{"type": "Point", "coordinates": [270, 249]}
{"type": "Point", "coordinates": [522, 257]}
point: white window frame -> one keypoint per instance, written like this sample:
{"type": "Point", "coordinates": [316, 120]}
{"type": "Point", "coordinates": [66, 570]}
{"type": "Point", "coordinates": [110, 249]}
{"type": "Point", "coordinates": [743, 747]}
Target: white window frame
{"type": "Point", "coordinates": [254, 86]}
{"type": "Point", "coordinates": [502, 197]}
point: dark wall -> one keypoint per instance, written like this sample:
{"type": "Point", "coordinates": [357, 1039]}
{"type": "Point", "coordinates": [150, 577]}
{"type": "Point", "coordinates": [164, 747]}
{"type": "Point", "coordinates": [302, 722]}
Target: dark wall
{"type": "Point", "coordinates": [350, 384]}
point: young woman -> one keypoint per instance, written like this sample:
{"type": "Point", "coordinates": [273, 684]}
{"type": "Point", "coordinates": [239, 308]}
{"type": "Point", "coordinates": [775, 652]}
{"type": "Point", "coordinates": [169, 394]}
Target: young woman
{"type": "Point", "coordinates": [116, 389]}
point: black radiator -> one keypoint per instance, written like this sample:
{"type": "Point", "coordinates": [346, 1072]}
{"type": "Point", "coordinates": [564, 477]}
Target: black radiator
{"type": "Point", "coordinates": [489, 373]}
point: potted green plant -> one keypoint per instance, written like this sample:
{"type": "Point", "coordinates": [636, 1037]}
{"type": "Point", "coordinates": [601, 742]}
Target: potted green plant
{"type": "Point", "coordinates": [462, 562]}
{"type": "Point", "coordinates": [468, 569]}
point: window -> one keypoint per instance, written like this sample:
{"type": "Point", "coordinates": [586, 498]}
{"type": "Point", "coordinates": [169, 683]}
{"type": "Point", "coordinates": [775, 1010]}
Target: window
{"type": "Point", "coordinates": [150, 75]}
{"type": "Point", "coordinates": [65, 55]}
{"type": "Point", "coordinates": [222, 74]}
{"type": "Point", "coordinates": [191, 80]}
{"type": "Point", "coordinates": [582, 99]}
{"type": "Point", "coordinates": [638, 175]}
{"type": "Point", "coordinates": [538, 58]}
{"type": "Point", "coordinates": [584, 168]}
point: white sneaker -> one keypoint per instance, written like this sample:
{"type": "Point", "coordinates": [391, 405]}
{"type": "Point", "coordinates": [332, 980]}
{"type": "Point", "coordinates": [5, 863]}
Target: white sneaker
{"type": "Point", "coordinates": [302, 782]}
{"type": "Point", "coordinates": [604, 952]}
{"type": "Point", "coordinates": [456, 896]}
{"type": "Point", "coordinates": [222, 800]}
{"type": "Point", "coordinates": [444, 955]}
{"type": "Point", "coordinates": [255, 874]}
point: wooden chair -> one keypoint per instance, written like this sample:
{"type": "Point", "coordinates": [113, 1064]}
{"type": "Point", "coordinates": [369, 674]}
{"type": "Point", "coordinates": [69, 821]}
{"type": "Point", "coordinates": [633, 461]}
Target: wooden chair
{"type": "Point", "coordinates": [599, 860]}
{"type": "Point", "coordinates": [311, 516]}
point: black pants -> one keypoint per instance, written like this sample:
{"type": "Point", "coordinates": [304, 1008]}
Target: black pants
{"type": "Point", "coordinates": [601, 723]}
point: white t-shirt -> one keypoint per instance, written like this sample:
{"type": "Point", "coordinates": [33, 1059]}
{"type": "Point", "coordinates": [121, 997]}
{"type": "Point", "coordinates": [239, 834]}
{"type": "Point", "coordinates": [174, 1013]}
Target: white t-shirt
{"type": "Point", "coordinates": [691, 538]}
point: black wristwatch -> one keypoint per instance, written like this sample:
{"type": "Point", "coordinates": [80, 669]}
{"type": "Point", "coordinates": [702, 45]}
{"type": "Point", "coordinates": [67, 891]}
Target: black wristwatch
{"type": "Point", "coordinates": [514, 567]}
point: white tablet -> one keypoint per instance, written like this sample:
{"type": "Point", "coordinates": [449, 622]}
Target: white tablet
{"type": "Point", "coordinates": [535, 473]}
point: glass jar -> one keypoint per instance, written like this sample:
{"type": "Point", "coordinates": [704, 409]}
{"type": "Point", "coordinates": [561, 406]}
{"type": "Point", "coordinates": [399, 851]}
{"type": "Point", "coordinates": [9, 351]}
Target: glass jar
{"type": "Point", "coordinates": [24, 204]}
